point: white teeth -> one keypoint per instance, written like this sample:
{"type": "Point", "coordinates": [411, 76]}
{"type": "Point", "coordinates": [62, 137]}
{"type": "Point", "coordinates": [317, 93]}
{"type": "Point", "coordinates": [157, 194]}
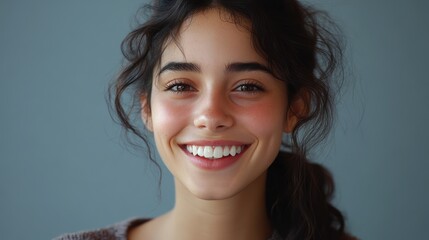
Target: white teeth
{"type": "Point", "coordinates": [233, 151]}
{"type": "Point", "coordinates": [208, 152]}
{"type": "Point", "coordinates": [200, 151]}
{"type": "Point", "coordinates": [194, 150]}
{"type": "Point", "coordinates": [225, 151]}
{"type": "Point", "coordinates": [218, 152]}
{"type": "Point", "coordinates": [214, 152]}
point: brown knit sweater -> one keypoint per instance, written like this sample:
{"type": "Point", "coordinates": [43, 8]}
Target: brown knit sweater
{"type": "Point", "coordinates": [118, 231]}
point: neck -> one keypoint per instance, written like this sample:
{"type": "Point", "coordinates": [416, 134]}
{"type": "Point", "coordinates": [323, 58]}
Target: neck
{"type": "Point", "coordinates": [242, 216]}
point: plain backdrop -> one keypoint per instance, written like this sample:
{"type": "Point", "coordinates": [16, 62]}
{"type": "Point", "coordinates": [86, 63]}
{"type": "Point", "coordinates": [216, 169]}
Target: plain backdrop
{"type": "Point", "coordinates": [64, 166]}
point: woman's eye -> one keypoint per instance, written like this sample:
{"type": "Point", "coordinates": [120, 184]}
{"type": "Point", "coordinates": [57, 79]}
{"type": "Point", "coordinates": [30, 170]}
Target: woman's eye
{"type": "Point", "coordinates": [249, 87]}
{"type": "Point", "coordinates": [179, 87]}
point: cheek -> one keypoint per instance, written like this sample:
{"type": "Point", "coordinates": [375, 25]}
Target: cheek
{"type": "Point", "coordinates": [167, 117]}
{"type": "Point", "coordinates": [265, 119]}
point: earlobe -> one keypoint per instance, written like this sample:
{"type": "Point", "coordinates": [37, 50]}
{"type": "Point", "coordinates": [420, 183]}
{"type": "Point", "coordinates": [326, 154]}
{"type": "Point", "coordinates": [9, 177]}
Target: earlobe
{"type": "Point", "coordinates": [145, 113]}
{"type": "Point", "coordinates": [290, 123]}
{"type": "Point", "coordinates": [298, 109]}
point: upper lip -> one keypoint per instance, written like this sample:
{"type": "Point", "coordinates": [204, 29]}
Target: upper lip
{"type": "Point", "coordinates": [214, 143]}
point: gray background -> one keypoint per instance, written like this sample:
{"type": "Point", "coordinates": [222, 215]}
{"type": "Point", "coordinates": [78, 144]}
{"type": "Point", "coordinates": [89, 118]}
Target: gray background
{"type": "Point", "coordinates": [64, 168]}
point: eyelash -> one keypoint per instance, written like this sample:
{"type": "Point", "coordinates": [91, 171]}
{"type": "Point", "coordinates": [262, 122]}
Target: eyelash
{"type": "Point", "coordinates": [255, 87]}
{"type": "Point", "coordinates": [174, 86]}
{"type": "Point", "coordinates": [180, 86]}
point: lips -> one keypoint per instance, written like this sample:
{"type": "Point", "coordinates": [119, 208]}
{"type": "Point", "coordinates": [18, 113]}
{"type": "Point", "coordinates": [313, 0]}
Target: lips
{"type": "Point", "coordinates": [214, 152]}
{"type": "Point", "coordinates": [214, 155]}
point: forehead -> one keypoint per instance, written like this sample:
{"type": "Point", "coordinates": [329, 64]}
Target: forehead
{"type": "Point", "coordinates": [212, 36]}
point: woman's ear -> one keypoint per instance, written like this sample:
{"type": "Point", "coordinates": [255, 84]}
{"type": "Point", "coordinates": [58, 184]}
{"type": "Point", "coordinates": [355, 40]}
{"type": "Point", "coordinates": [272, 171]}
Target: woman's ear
{"type": "Point", "coordinates": [298, 109]}
{"type": "Point", "coordinates": [146, 113]}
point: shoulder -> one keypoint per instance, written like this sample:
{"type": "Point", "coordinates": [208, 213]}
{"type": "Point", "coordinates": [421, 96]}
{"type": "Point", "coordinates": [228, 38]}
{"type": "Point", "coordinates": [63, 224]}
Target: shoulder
{"type": "Point", "coordinates": [107, 234]}
{"type": "Point", "coordinates": [118, 231]}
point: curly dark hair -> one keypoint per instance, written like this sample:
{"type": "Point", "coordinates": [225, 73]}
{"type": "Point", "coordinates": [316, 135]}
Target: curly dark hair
{"type": "Point", "coordinates": [303, 48]}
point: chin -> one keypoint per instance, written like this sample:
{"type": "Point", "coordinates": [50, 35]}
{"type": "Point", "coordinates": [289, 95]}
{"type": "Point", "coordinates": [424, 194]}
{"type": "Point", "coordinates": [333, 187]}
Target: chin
{"type": "Point", "coordinates": [223, 190]}
{"type": "Point", "coordinates": [213, 196]}
{"type": "Point", "coordinates": [213, 191]}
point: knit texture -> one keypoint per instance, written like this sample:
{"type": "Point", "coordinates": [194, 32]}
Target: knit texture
{"type": "Point", "coordinates": [118, 231]}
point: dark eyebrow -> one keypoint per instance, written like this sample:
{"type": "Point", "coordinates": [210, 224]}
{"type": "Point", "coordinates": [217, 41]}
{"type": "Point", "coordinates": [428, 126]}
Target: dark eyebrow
{"type": "Point", "coordinates": [180, 66]}
{"type": "Point", "coordinates": [247, 66]}
{"type": "Point", "coordinates": [232, 67]}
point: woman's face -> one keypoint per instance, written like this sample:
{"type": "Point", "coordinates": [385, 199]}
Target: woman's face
{"type": "Point", "coordinates": [217, 113]}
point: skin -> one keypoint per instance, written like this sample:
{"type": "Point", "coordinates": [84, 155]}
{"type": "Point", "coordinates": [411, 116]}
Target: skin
{"type": "Point", "coordinates": [203, 94]}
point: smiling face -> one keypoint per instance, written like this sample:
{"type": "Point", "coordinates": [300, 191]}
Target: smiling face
{"type": "Point", "coordinates": [217, 113]}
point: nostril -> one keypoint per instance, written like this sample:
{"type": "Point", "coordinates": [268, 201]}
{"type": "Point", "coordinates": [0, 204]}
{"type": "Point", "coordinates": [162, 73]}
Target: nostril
{"type": "Point", "coordinates": [213, 122]}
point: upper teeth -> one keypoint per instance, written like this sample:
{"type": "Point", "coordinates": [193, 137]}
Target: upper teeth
{"type": "Point", "coordinates": [214, 151]}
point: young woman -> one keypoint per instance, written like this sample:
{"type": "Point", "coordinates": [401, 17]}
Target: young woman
{"type": "Point", "coordinates": [235, 93]}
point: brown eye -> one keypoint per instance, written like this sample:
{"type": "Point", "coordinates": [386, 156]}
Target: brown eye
{"type": "Point", "coordinates": [249, 87]}
{"type": "Point", "coordinates": [178, 87]}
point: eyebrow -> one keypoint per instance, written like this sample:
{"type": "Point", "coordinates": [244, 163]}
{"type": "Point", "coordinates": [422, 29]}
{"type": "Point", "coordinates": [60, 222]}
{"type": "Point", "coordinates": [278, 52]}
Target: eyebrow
{"type": "Point", "coordinates": [232, 67]}
{"type": "Point", "coordinates": [246, 67]}
{"type": "Point", "coordinates": [180, 66]}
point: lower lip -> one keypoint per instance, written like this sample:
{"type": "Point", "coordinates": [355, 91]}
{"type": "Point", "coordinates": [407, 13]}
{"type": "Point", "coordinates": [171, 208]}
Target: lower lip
{"type": "Point", "coordinates": [213, 164]}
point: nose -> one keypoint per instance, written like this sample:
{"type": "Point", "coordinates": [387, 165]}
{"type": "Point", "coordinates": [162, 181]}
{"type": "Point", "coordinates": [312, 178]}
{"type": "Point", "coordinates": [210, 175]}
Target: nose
{"type": "Point", "coordinates": [213, 113]}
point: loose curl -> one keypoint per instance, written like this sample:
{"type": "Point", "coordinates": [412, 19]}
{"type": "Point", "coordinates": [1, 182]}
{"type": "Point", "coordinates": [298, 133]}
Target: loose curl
{"type": "Point", "coordinates": [302, 48]}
